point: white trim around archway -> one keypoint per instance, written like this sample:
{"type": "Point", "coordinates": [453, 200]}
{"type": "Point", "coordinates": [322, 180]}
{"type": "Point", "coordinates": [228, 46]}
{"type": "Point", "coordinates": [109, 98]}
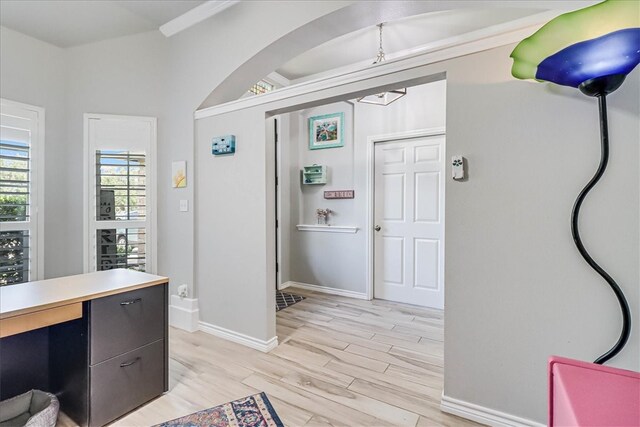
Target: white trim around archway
{"type": "Point", "coordinates": [467, 44]}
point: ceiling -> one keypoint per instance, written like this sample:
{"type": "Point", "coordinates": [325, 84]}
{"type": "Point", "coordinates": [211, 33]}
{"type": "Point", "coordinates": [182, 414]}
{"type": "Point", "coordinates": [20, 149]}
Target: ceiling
{"type": "Point", "coordinates": [67, 23]}
{"type": "Point", "coordinates": [398, 36]}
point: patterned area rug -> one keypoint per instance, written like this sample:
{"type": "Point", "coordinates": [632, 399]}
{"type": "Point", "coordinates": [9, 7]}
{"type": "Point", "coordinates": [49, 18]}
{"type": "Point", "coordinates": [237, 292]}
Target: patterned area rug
{"type": "Point", "coordinates": [284, 300]}
{"type": "Point", "coordinates": [252, 411]}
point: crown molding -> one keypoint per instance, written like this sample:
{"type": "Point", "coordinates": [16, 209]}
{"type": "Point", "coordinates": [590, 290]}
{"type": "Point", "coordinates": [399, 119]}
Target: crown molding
{"type": "Point", "coordinates": [195, 16]}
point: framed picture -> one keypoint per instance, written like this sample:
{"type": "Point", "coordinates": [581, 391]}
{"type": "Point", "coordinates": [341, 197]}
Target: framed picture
{"type": "Point", "coordinates": [326, 131]}
{"type": "Point", "coordinates": [179, 174]}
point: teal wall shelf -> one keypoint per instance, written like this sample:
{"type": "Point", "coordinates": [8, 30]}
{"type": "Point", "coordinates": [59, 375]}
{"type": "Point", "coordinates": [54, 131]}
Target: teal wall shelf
{"type": "Point", "coordinates": [314, 175]}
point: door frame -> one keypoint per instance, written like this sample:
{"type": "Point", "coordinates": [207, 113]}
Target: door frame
{"type": "Point", "coordinates": [89, 206]}
{"type": "Point", "coordinates": [276, 135]}
{"type": "Point", "coordinates": [371, 141]}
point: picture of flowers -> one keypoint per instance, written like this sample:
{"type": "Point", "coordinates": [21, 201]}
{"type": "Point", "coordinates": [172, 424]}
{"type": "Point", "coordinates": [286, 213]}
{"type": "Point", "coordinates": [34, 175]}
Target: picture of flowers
{"type": "Point", "coordinates": [179, 174]}
{"type": "Point", "coordinates": [326, 131]}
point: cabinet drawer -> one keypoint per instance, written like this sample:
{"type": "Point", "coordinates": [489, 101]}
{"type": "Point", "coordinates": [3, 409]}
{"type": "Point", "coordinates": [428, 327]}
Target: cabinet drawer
{"type": "Point", "coordinates": [123, 322]}
{"type": "Point", "coordinates": [125, 382]}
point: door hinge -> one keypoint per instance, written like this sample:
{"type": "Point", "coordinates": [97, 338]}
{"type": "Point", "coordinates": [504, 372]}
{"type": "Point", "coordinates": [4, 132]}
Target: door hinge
{"type": "Point", "coordinates": [277, 267]}
{"type": "Point", "coordinates": [277, 223]}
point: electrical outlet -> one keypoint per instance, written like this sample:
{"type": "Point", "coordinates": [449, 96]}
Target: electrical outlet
{"type": "Point", "coordinates": [183, 291]}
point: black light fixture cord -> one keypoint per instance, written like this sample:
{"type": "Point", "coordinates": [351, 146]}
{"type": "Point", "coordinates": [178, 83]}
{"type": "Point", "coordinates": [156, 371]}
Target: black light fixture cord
{"type": "Point", "coordinates": [624, 305]}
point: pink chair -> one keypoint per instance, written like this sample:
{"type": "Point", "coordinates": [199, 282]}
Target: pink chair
{"type": "Point", "coordinates": [587, 394]}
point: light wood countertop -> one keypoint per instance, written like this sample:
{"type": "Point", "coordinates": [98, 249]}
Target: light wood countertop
{"type": "Point", "coordinates": [31, 297]}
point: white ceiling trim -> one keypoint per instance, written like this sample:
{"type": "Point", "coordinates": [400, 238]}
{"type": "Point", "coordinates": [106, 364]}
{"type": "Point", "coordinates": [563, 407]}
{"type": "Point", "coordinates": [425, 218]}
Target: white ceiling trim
{"type": "Point", "coordinates": [195, 16]}
{"type": "Point", "coordinates": [279, 79]}
{"type": "Point", "coordinates": [527, 21]}
{"type": "Point", "coordinates": [465, 44]}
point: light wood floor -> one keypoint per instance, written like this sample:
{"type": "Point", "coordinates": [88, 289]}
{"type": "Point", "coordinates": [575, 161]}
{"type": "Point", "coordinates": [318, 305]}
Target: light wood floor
{"type": "Point", "coordinates": [340, 362]}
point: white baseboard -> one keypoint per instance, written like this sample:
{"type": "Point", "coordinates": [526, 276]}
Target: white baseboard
{"type": "Point", "coordinates": [237, 337]}
{"type": "Point", "coordinates": [327, 290]}
{"type": "Point", "coordinates": [184, 313]}
{"type": "Point", "coordinates": [483, 415]}
{"type": "Point", "coordinates": [285, 285]}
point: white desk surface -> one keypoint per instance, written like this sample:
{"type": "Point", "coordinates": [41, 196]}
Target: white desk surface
{"type": "Point", "coordinates": [35, 296]}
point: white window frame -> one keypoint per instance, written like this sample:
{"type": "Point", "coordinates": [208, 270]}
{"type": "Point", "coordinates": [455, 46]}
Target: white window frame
{"type": "Point", "coordinates": [90, 213]}
{"type": "Point", "coordinates": [35, 224]}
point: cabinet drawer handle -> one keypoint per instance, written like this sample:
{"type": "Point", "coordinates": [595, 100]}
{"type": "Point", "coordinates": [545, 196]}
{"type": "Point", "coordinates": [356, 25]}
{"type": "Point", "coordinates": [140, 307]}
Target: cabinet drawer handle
{"type": "Point", "coordinates": [125, 364]}
{"type": "Point", "coordinates": [133, 301]}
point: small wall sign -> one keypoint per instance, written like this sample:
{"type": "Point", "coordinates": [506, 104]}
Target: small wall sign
{"type": "Point", "coordinates": [341, 194]}
{"type": "Point", "coordinates": [223, 145]}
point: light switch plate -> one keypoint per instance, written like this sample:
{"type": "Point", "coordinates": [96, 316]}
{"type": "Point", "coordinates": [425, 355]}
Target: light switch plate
{"type": "Point", "coordinates": [184, 205]}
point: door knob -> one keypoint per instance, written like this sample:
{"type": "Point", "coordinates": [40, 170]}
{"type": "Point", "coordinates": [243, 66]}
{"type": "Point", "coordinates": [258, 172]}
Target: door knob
{"type": "Point", "coordinates": [377, 228]}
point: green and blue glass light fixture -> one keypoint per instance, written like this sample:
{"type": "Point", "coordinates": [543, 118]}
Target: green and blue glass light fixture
{"type": "Point", "coordinates": [592, 49]}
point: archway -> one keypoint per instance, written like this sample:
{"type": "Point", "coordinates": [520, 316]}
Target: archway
{"type": "Point", "coordinates": [358, 15]}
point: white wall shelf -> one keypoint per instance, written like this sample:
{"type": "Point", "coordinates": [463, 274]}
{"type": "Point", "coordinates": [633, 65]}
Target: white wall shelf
{"type": "Point", "coordinates": [327, 228]}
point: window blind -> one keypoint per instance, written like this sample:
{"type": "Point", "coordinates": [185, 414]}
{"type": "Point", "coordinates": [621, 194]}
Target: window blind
{"type": "Point", "coordinates": [18, 212]}
{"type": "Point", "coordinates": [14, 181]}
{"type": "Point", "coordinates": [14, 257]}
{"type": "Point", "coordinates": [121, 196]}
{"type": "Point", "coordinates": [121, 185]}
{"type": "Point", "coordinates": [121, 248]}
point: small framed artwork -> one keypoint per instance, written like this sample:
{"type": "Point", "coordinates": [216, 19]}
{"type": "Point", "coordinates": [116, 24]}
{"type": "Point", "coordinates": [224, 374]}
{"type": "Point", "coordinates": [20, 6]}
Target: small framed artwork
{"type": "Point", "coordinates": [326, 131]}
{"type": "Point", "coordinates": [179, 174]}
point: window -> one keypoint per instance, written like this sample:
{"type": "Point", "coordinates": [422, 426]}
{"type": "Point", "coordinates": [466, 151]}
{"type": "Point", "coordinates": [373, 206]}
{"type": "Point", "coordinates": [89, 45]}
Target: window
{"type": "Point", "coordinates": [121, 191]}
{"type": "Point", "coordinates": [261, 87]}
{"type": "Point", "coordinates": [120, 196]}
{"type": "Point", "coordinates": [21, 191]}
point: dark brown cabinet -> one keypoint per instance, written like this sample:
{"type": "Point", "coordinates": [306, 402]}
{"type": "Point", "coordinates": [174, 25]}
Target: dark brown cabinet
{"type": "Point", "coordinates": [125, 382]}
{"type": "Point", "coordinates": [123, 322]}
{"type": "Point", "coordinates": [115, 358]}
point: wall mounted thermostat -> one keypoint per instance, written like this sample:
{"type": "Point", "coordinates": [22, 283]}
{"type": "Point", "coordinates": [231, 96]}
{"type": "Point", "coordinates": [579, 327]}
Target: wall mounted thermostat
{"type": "Point", "coordinates": [223, 145]}
{"type": "Point", "coordinates": [457, 167]}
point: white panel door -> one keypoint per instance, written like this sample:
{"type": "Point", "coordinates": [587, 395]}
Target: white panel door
{"type": "Point", "coordinates": [120, 192]}
{"type": "Point", "coordinates": [409, 221]}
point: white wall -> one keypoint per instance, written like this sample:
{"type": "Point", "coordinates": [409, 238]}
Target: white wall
{"type": "Point", "coordinates": [235, 217]}
{"type": "Point", "coordinates": [123, 76]}
{"type": "Point", "coordinates": [340, 260]}
{"type": "Point", "coordinates": [325, 259]}
{"type": "Point", "coordinates": [142, 74]}
{"type": "Point", "coordinates": [514, 281]}
{"type": "Point", "coordinates": [517, 291]}
{"type": "Point", "coordinates": [33, 72]}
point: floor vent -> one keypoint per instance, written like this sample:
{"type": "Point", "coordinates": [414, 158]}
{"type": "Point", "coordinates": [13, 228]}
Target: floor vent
{"type": "Point", "coordinates": [284, 300]}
